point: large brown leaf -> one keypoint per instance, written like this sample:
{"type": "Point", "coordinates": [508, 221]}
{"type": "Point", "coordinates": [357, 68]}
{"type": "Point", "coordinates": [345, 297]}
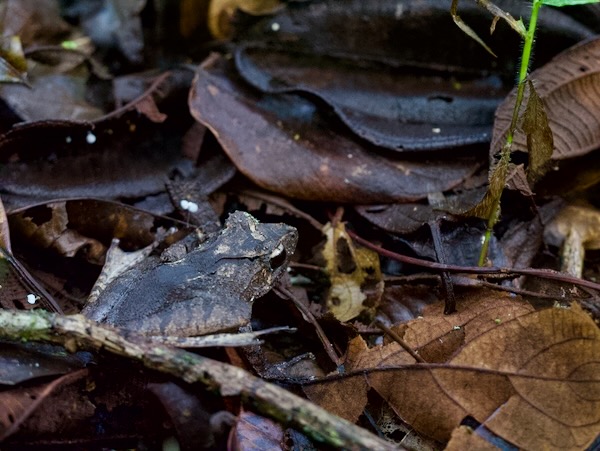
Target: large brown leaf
{"type": "Point", "coordinates": [530, 377]}
{"type": "Point", "coordinates": [533, 380]}
{"type": "Point", "coordinates": [568, 86]}
{"type": "Point", "coordinates": [284, 144]}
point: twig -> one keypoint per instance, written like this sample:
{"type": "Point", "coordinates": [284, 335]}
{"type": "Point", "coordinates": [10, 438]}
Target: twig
{"type": "Point", "coordinates": [77, 332]}
{"type": "Point", "coordinates": [398, 339]}
{"type": "Point", "coordinates": [30, 282]}
{"type": "Point", "coordinates": [541, 273]}
{"type": "Point", "coordinates": [285, 293]}
{"type": "Point", "coordinates": [131, 105]}
{"type": "Point", "coordinates": [438, 246]}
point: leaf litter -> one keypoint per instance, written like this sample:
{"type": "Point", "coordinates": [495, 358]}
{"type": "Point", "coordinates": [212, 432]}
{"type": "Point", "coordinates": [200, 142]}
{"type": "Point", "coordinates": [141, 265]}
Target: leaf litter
{"type": "Point", "coordinates": [293, 118]}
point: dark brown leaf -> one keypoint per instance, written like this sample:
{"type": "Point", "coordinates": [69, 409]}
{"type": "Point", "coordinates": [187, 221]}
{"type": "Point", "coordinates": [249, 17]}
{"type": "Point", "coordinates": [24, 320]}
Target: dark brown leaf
{"type": "Point", "coordinates": [283, 144]}
{"type": "Point", "coordinates": [387, 106]}
{"type": "Point", "coordinates": [408, 100]}
{"type": "Point", "coordinates": [20, 404]}
{"type": "Point", "coordinates": [49, 160]}
{"type": "Point", "coordinates": [409, 34]}
{"type": "Point", "coordinates": [254, 433]}
{"type": "Point", "coordinates": [21, 362]}
{"type": "Point", "coordinates": [188, 414]}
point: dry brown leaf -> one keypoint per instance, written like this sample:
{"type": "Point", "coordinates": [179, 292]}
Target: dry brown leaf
{"type": "Point", "coordinates": [346, 399]}
{"type": "Point", "coordinates": [464, 438]}
{"type": "Point", "coordinates": [436, 336]}
{"type": "Point", "coordinates": [568, 87]}
{"type": "Point", "coordinates": [539, 136]}
{"type": "Point", "coordinates": [379, 356]}
{"type": "Point", "coordinates": [533, 381]}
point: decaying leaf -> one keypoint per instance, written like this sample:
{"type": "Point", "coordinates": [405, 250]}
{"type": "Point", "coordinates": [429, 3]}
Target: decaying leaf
{"type": "Point", "coordinates": [538, 372]}
{"type": "Point", "coordinates": [53, 159]}
{"type": "Point", "coordinates": [437, 337]}
{"type": "Point", "coordinates": [489, 205]}
{"type": "Point", "coordinates": [408, 34]}
{"type": "Point", "coordinates": [389, 107]}
{"type": "Point", "coordinates": [354, 274]}
{"type": "Point", "coordinates": [539, 136]}
{"type": "Point", "coordinates": [420, 95]}
{"type": "Point", "coordinates": [530, 377]}
{"type": "Point", "coordinates": [464, 437]}
{"type": "Point", "coordinates": [21, 404]}
{"type": "Point", "coordinates": [20, 362]}
{"type": "Point", "coordinates": [257, 432]}
{"type": "Point", "coordinates": [69, 227]}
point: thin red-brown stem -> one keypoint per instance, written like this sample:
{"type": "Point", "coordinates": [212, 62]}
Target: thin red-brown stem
{"type": "Point", "coordinates": [438, 267]}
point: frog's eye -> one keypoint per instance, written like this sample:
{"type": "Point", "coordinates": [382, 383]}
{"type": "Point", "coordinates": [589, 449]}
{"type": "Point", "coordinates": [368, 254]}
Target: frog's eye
{"type": "Point", "coordinates": [278, 256]}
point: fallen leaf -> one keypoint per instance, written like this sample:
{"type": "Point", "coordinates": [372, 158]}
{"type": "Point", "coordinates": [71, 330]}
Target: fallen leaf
{"type": "Point", "coordinates": [305, 156]}
{"type": "Point", "coordinates": [410, 35]}
{"type": "Point", "coordinates": [464, 437]}
{"type": "Point", "coordinates": [20, 404]}
{"type": "Point", "coordinates": [436, 337]}
{"type": "Point", "coordinates": [20, 362]}
{"type": "Point", "coordinates": [535, 373]}
{"type": "Point", "coordinates": [54, 159]}
{"type": "Point", "coordinates": [387, 106]}
{"type": "Point", "coordinates": [254, 432]}
{"type": "Point", "coordinates": [354, 275]}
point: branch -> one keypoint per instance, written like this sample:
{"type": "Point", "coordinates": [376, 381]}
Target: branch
{"type": "Point", "coordinates": [77, 332]}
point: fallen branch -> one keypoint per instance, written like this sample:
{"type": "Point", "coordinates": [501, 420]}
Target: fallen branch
{"type": "Point", "coordinates": [76, 332]}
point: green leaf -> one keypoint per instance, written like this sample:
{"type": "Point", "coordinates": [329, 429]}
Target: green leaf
{"type": "Point", "coordinates": [539, 136]}
{"type": "Point", "coordinates": [560, 3]}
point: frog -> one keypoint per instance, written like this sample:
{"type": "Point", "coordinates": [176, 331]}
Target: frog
{"type": "Point", "coordinates": [210, 289]}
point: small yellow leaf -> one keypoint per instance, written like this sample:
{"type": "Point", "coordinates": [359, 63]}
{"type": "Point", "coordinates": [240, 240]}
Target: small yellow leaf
{"type": "Point", "coordinates": [354, 274]}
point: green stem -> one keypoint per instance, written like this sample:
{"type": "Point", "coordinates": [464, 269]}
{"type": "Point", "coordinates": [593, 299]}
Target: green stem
{"type": "Point", "coordinates": [506, 149]}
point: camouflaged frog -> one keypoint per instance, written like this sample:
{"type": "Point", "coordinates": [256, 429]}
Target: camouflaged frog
{"type": "Point", "coordinates": [210, 289]}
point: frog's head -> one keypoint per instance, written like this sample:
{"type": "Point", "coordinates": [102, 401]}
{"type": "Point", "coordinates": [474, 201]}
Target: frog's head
{"type": "Point", "coordinates": [267, 246]}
